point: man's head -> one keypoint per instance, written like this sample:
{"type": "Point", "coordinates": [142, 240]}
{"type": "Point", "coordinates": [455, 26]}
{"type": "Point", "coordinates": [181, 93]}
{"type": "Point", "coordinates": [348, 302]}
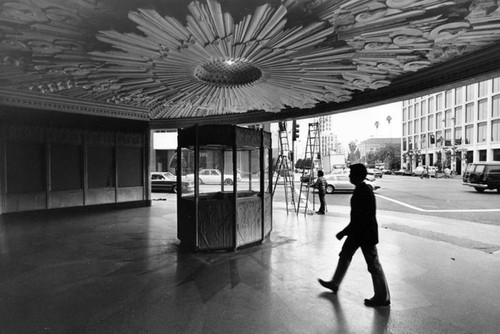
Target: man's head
{"type": "Point", "coordinates": [320, 173]}
{"type": "Point", "coordinates": [358, 173]}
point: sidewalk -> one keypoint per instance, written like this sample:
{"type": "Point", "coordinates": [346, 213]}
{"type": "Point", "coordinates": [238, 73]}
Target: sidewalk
{"type": "Point", "coordinates": [121, 271]}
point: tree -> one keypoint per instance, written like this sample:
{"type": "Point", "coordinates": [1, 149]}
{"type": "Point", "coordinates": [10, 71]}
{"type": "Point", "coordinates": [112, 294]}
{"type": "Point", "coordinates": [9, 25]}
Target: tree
{"type": "Point", "coordinates": [299, 164]}
{"type": "Point", "coordinates": [389, 119]}
{"type": "Point", "coordinates": [390, 155]}
{"type": "Point", "coordinates": [354, 155]}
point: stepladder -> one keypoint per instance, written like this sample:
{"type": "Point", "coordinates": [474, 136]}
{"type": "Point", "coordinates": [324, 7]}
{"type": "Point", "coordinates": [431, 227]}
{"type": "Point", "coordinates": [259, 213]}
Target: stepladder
{"type": "Point", "coordinates": [283, 169]}
{"type": "Point", "coordinates": [312, 163]}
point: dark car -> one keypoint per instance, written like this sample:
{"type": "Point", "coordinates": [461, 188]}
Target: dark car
{"type": "Point", "coordinates": [482, 176]}
{"type": "Point", "coordinates": [167, 182]}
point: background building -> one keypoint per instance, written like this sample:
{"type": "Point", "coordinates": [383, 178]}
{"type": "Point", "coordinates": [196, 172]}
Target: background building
{"type": "Point", "coordinates": [452, 128]}
{"type": "Point", "coordinates": [373, 144]}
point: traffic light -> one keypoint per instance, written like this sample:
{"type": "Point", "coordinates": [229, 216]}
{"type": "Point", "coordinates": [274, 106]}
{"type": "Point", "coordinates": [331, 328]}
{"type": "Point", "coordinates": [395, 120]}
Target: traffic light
{"type": "Point", "coordinates": [295, 130]}
{"type": "Point", "coordinates": [282, 126]}
{"type": "Point", "coordinates": [433, 139]}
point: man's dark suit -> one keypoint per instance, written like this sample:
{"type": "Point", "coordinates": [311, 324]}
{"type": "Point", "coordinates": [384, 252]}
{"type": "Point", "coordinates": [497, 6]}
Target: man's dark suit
{"type": "Point", "coordinates": [362, 231]}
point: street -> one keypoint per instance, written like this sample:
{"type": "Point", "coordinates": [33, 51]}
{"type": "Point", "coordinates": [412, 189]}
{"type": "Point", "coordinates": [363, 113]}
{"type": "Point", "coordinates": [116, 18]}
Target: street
{"type": "Point", "coordinates": [446, 198]}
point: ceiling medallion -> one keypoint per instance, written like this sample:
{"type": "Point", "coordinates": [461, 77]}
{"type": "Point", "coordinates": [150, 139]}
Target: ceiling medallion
{"type": "Point", "coordinates": [227, 73]}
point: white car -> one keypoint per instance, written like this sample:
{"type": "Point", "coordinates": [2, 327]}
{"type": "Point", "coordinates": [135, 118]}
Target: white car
{"type": "Point", "coordinates": [213, 176]}
{"type": "Point", "coordinates": [341, 183]}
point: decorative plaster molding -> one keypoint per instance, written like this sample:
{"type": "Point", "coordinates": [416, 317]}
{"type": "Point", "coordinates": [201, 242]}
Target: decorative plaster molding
{"type": "Point", "coordinates": [16, 98]}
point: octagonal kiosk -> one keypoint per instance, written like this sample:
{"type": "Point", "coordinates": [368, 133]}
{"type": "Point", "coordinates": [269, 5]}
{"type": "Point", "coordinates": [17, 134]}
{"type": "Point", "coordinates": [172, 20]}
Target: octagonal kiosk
{"type": "Point", "coordinates": [231, 206]}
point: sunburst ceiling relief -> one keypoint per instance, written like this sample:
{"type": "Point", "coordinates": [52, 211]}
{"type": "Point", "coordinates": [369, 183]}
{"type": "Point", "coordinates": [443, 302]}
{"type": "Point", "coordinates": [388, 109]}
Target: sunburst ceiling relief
{"type": "Point", "coordinates": [204, 63]}
{"type": "Point", "coordinates": [216, 66]}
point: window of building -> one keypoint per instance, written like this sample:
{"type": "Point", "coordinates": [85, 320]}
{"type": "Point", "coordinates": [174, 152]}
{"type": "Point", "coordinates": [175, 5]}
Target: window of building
{"type": "Point", "coordinates": [458, 136]}
{"type": "Point", "coordinates": [439, 138]}
{"type": "Point", "coordinates": [459, 95]}
{"type": "Point", "coordinates": [404, 129]}
{"type": "Point", "coordinates": [469, 92]}
{"type": "Point", "coordinates": [410, 112]}
{"type": "Point", "coordinates": [424, 107]}
{"type": "Point", "coordinates": [447, 118]}
{"type": "Point", "coordinates": [448, 98]}
{"type": "Point", "coordinates": [458, 116]}
{"type": "Point", "coordinates": [430, 122]}
{"type": "Point", "coordinates": [482, 155]}
{"type": "Point", "coordinates": [447, 137]}
{"type": "Point", "coordinates": [431, 105]}
{"type": "Point", "coordinates": [423, 140]}
{"type": "Point", "coordinates": [469, 134]}
{"type": "Point", "coordinates": [416, 142]}
{"type": "Point", "coordinates": [416, 126]}
{"type": "Point", "coordinates": [496, 155]}
{"type": "Point", "coordinates": [481, 132]}
{"type": "Point", "coordinates": [417, 110]}
{"type": "Point", "coordinates": [410, 128]}
{"type": "Point", "coordinates": [422, 124]}
{"type": "Point", "coordinates": [439, 120]}
{"type": "Point", "coordinates": [439, 101]}
{"type": "Point", "coordinates": [495, 130]}
{"type": "Point", "coordinates": [496, 85]}
{"type": "Point", "coordinates": [483, 88]}
{"type": "Point", "coordinates": [404, 144]}
{"type": "Point", "coordinates": [404, 115]}
{"type": "Point", "coordinates": [482, 109]}
{"type": "Point", "coordinates": [495, 108]}
{"type": "Point", "coordinates": [405, 102]}
{"type": "Point", "coordinates": [469, 112]}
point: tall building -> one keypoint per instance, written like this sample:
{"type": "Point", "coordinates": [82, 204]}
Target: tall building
{"type": "Point", "coordinates": [329, 142]}
{"type": "Point", "coordinates": [452, 128]}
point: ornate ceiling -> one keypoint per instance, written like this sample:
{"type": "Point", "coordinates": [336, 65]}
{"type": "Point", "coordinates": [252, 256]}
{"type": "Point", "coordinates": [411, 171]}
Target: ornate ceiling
{"type": "Point", "coordinates": [175, 62]}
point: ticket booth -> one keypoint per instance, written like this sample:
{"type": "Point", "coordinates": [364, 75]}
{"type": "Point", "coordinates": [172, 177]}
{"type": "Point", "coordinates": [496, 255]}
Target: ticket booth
{"type": "Point", "coordinates": [231, 206]}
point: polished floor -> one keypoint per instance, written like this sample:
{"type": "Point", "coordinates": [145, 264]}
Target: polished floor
{"type": "Point", "coordinates": [121, 271]}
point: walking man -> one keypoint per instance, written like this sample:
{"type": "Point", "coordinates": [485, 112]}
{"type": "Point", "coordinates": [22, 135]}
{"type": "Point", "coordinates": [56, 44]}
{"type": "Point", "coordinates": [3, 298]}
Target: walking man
{"type": "Point", "coordinates": [361, 232]}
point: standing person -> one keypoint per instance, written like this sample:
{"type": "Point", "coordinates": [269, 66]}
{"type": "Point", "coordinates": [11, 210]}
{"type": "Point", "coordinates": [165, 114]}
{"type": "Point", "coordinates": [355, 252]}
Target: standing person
{"type": "Point", "coordinates": [320, 184]}
{"type": "Point", "coordinates": [425, 173]}
{"type": "Point", "coordinates": [362, 231]}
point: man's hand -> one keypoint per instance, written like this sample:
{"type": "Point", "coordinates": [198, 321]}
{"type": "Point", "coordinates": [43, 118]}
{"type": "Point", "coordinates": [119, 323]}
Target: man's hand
{"type": "Point", "coordinates": [340, 235]}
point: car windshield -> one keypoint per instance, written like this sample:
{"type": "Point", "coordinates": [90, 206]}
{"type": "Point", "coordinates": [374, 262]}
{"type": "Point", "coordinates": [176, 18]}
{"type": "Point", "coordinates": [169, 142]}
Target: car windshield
{"type": "Point", "coordinates": [480, 168]}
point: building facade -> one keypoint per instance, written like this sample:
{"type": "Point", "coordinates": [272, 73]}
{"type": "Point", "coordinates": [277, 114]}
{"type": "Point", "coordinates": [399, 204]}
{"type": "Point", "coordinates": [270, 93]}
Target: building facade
{"type": "Point", "coordinates": [452, 128]}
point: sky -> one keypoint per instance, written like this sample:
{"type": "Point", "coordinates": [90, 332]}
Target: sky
{"type": "Point", "coordinates": [359, 125]}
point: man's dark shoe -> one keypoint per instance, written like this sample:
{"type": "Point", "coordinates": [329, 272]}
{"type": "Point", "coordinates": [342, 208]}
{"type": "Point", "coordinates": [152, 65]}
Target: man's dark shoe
{"type": "Point", "coordinates": [377, 302]}
{"type": "Point", "coordinates": [328, 285]}
{"type": "Point", "coordinates": [320, 213]}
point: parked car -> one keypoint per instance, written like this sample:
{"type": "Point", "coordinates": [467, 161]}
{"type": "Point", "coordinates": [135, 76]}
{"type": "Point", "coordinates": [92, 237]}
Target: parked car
{"type": "Point", "coordinates": [369, 177]}
{"type": "Point", "coordinates": [341, 183]}
{"type": "Point", "coordinates": [403, 172]}
{"type": "Point", "coordinates": [340, 171]}
{"type": "Point", "coordinates": [482, 176]}
{"type": "Point", "coordinates": [375, 172]}
{"type": "Point", "coordinates": [305, 177]}
{"type": "Point", "coordinates": [167, 182]}
{"type": "Point", "coordinates": [419, 171]}
{"type": "Point", "coordinates": [214, 176]}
